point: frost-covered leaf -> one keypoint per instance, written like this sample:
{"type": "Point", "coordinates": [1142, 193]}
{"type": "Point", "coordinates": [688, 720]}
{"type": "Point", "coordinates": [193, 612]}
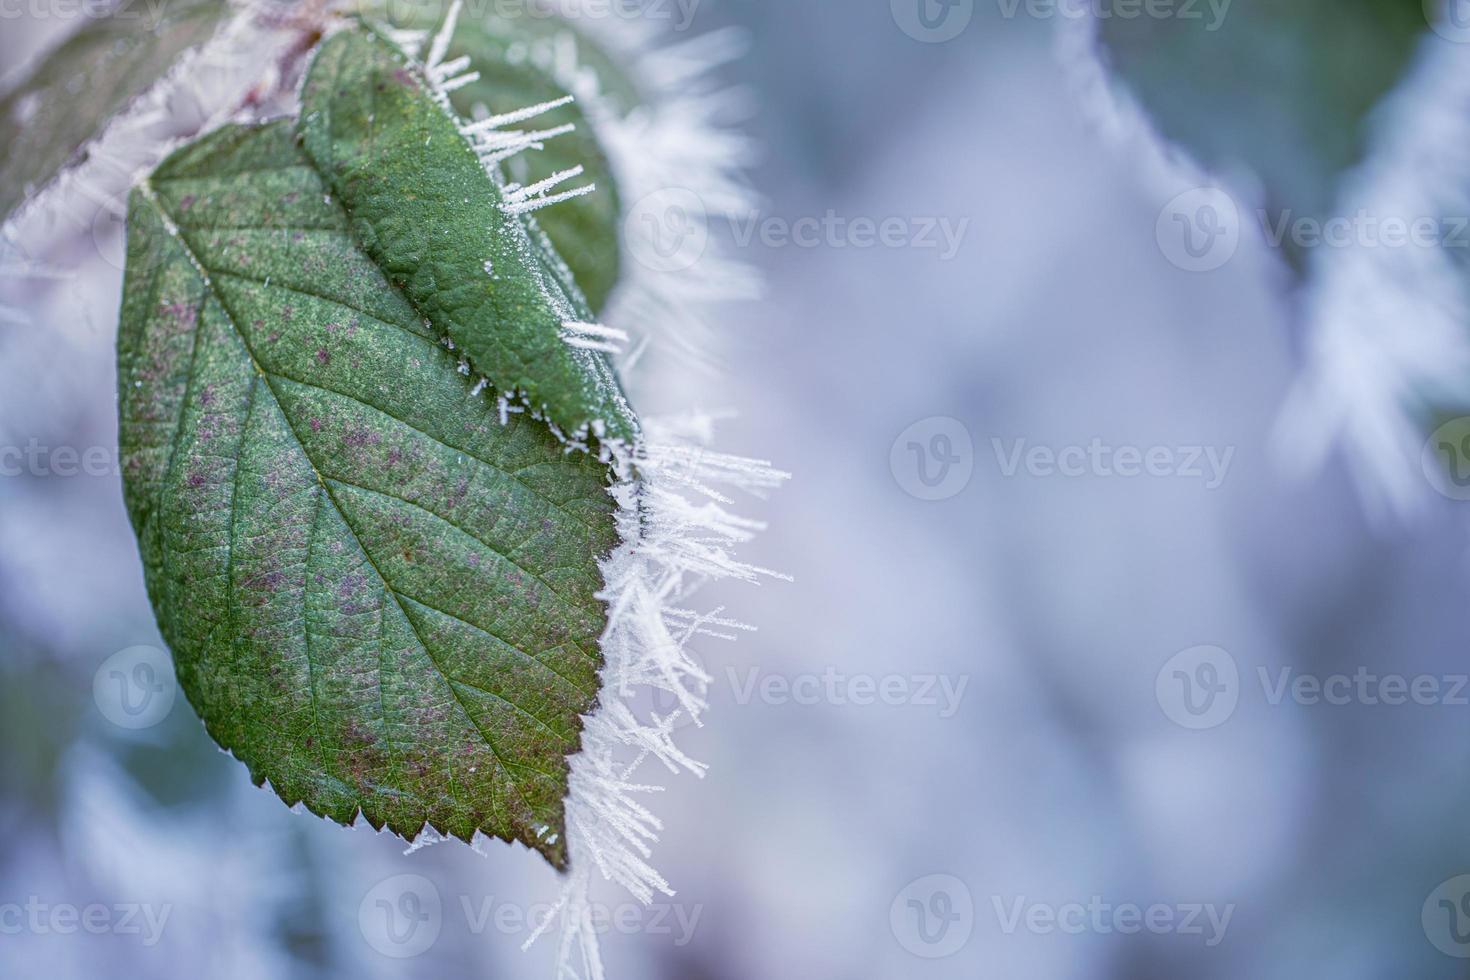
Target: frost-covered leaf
{"type": "Point", "coordinates": [515, 54]}
{"type": "Point", "coordinates": [584, 230]}
{"type": "Point", "coordinates": [106, 64]}
{"type": "Point", "coordinates": [423, 206]}
{"type": "Point", "coordinates": [379, 594]}
{"type": "Point", "coordinates": [1282, 89]}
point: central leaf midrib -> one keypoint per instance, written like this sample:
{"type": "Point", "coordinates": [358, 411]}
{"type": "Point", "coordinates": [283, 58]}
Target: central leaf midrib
{"type": "Point", "coordinates": [152, 197]}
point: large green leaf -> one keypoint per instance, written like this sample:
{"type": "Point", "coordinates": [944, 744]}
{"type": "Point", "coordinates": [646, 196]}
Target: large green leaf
{"type": "Point", "coordinates": [380, 595]}
{"type": "Point", "coordinates": [109, 62]}
{"type": "Point", "coordinates": [424, 209]}
{"type": "Point", "coordinates": [1282, 90]}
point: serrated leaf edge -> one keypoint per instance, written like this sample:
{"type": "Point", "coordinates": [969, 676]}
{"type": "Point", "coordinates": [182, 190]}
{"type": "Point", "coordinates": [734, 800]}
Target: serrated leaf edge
{"type": "Point", "coordinates": [493, 146]}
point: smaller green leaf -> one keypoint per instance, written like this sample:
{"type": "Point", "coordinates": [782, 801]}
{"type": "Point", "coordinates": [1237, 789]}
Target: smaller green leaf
{"type": "Point", "coordinates": [511, 53]}
{"type": "Point", "coordinates": [424, 208]}
{"type": "Point", "coordinates": [585, 230]}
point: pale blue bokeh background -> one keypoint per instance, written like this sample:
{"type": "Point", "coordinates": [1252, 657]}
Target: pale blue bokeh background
{"type": "Point", "coordinates": [1057, 601]}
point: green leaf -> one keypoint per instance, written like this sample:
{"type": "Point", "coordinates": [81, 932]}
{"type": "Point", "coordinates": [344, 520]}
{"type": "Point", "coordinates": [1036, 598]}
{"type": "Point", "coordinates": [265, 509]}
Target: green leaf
{"type": "Point", "coordinates": [510, 51]}
{"type": "Point", "coordinates": [1283, 90]}
{"type": "Point", "coordinates": [585, 230]}
{"type": "Point", "coordinates": [379, 596]}
{"type": "Point", "coordinates": [424, 209]}
{"type": "Point", "coordinates": [108, 63]}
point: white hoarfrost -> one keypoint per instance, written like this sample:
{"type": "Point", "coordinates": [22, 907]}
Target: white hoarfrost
{"type": "Point", "coordinates": [1388, 329]}
{"type": "Point", "coordinates": [207, 86]}
{"type": "Point", "coordinates": [678, 534]}
{"type": "Point", "coordinates": [674, 496]}
{"type": "Point", "coordinates": [495, 144]}
{"type": "Point", "coordinates": [1114, 113]}
{"type": "Point", "coordinates": [676, 156]}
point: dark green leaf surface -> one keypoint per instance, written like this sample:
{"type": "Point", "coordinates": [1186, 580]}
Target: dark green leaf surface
{"type": "Point", "coordinates": [109, 62]}
{"type": "Point", "coordinates": [378, 596]}
{"type": "Point", "coordinates": [424, 209]}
